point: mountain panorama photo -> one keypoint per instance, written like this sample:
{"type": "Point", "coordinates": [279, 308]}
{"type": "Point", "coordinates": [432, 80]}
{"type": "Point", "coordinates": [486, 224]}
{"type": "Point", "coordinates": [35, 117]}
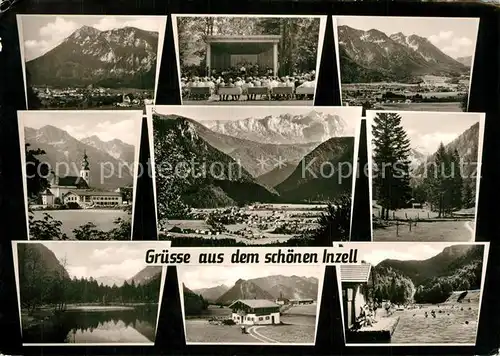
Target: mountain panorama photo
{"type": "Point", "coordinates": [244, 304]}
{"type": "Point", "coordinates": [80, 173]}
{"type": "Point", "coordinates": [430, 193]}
{"type": "Point", "coordinates": [272, 175]}
{"type": "Point", "coordinates": [82, 292]}
{"type": "Point", "coordinates": [399, 63]}
{"type": "Point", "coordinates": [90, 62]}
{"type": "Point", "coordinates": [248, 60]}
{"type": "Point", "coordinates": [414, 293]}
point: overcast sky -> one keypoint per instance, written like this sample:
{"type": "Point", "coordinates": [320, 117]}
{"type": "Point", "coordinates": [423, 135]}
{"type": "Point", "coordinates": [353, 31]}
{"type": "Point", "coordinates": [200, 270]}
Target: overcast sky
{"type": "Point", "coordinates": [41, 33]}
{"type": "Point", "coordinates": [196, 277]}
{"type": "Point", "coordinates": [107, 125]}
{"type": "Point", "coordinates": [427, 130]}
{"type": "Point", "coordinates": [454, 36]}
{"type": "Point", "coordinates": [375, 253]}
{"type": "Point", "coordinates": [102, 259]}
{"type": "Point", "coordinates": [350, 115]}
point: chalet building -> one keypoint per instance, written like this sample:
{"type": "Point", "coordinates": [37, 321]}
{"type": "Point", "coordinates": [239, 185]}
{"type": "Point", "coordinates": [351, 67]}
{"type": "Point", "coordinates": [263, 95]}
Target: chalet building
{"type": "Point", "coordinates": [301, 301]}
{"type": "Point", "coordinates": [77, 189]}
{"type": "Point", "coordinates": [255, 312]}
{"type": "Point", "coordinates": [282, 301]}
{"type": "Point", "coordinates": [356, 279]}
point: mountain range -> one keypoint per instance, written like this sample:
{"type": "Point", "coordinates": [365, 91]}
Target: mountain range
{"type": "Point", "coordinates": [247, 168]}
{"type": "Point", "coordinates": [271, 287]}
{"type": "Point", "coordinates": [451, 260]}
{"type": "Point", "coordinates": [49, 262]}
{"type": "Point", "coordinates": [373, 56]}
{"type": "Point", "coordinates": [289, 129]}
{"type": "Point", "coordinates": [117, 58]}
{"type": "Point", "coordinates": [467, 145]}
{"type": "Point", "coordinates": [466, 61]}
{"type": "Point", "coordinates": [61, 147]}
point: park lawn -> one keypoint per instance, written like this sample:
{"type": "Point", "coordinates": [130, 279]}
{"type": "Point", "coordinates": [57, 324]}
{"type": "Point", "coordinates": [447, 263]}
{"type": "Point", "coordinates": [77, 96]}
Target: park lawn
{"type": "Point", "coordinates": [453, 231]}
{"type": "Point", "coordinates": [289, 333]}
{"type": "Point", "coordinates": [448, 327]}
{"type": "Point", "coordinates": [202, 331]}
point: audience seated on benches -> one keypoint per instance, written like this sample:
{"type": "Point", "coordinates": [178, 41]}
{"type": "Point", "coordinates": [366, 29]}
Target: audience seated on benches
{"type": "Point", "coordinates": [226, 87]}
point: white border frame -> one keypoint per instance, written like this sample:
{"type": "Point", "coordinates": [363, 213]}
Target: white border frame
{"type": "Point", "coordinates": [22, 114]}
{"type": "Point", "coordinates": [374, 244]}
{"type": "Point", "coordinates": [159, 50]}
{"type": "Point", "coordinates": [370, 115]}
{"type": "Point", "coordinates": [319, 51]}
{"type": "Point", "coordinates": [337, 47]}
{"type": "Point", "coordinates": [150, 110]}
{"type": "Point", "coordinates": [321, 278]}
{"type": "Point", "coordinates": [147, 244]}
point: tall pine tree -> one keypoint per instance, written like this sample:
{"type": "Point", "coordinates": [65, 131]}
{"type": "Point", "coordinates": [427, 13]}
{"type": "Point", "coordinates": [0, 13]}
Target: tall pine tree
{"type": "Point", "coordinates": [391, 150]}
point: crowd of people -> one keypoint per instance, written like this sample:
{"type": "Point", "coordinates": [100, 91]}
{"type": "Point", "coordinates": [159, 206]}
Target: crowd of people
{"type": "Point", "coordinates": [242, 83]}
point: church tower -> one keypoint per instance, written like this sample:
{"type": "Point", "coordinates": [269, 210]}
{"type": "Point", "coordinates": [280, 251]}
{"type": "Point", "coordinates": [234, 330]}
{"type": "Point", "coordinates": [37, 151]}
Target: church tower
{"type": "Point", "coordinates": [85, 169]}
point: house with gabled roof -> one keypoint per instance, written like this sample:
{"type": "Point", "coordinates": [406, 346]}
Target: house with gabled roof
{"type": "Point", "coordinates": [356, 280]}
{"type": "Point", "coordinates": [255, 312]}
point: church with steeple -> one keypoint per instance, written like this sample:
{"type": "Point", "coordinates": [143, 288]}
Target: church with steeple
{"type": "Point", "coordinates": [78, 190]}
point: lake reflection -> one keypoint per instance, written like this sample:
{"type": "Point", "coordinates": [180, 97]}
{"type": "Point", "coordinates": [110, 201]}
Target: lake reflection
{"type": "Point", "coordinates": [134, 325]}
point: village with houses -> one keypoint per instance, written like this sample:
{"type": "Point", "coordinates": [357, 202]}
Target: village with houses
{"type": "Point", "coordinates": [253, 222]}
{"type": "Point", "coordinates": [92, 97]}
{"type": "Point", "coordinates": [431, 90]}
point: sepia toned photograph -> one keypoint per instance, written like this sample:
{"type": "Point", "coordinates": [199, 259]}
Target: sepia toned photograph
{"type": "Point", "coordinates": [80, 62]}
{"type": "Point", "coordinates": [425, 175]}
{"type": "Point", "coordinates": [269, 176]}
{"type": "Point", "coordinates": [406, 63]}
{"type": "Point", "coordinates": [414, 293]}
{"type": "Point", "coordinates": [270, 60]}
{"type": "Point", "coordinates": [244, 304]}
{"type": "Point", "coordinates": [87, 292]}
{"type": "Point", "coordinates": [79, 173]}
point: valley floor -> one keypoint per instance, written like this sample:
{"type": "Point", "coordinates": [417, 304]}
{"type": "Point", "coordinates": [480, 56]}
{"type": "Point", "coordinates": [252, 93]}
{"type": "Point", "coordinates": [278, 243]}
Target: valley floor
{"type": "Point", "coordinates": [426, 226]}
{"type": "Point", "coordinates": [297, 329]}
{"type": "Point", "coordinates": [445, 107]}
{"type": "Point", "coordinates": [451, 230]}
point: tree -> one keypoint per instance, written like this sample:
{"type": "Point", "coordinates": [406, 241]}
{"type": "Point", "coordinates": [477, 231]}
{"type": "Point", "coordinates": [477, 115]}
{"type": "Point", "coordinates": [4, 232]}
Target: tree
{"type": "Point", "coordinates": [464, 103]}
{"type": "Point", "coordinates": [36, 172]}
{"type": "Point", "coordinates": [391, 158]}
{"type": "Point", "coordinates": [46, 228]}
{"type": "Point", "coordinates": [334, 224]}
{"type": "Point", "coordinates": [468, 195]}
{"type": "Point", "coordinates": [444, 181]}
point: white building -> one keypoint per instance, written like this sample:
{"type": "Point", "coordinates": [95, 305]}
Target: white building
{"type": "Point", "coordinates": [255, 312]}
{"type": "Point", "coordinates": [76, 189]}
{"type": "Point", "coordinates": [92, 198]}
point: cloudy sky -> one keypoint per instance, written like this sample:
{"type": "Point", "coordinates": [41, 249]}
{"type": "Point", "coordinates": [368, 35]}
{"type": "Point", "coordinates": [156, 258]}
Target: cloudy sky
{"type": "Point", "coordinates": [427, 130]}
{"type": "Point", "coordinates": [41, 33]}
{"type": "Point", "coordinates": [375, 253]}
{"type": "Point", "coordinates": [454, 36]}
{"type": "Point", "coordinates": [350, 115]}
{"type": "Point", "coordinates": [107, 125]}
{"type": "Point", "coordinates": [102, 259]}
{"type": "Point", "coordinates": [195, 277]}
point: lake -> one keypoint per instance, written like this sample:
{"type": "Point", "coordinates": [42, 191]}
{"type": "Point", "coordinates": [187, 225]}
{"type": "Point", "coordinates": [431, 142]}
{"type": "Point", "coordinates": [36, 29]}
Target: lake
{"type": "Point", "coordinates": [101, 326]}
{"type": "Point", "coordinates": [71, 219]}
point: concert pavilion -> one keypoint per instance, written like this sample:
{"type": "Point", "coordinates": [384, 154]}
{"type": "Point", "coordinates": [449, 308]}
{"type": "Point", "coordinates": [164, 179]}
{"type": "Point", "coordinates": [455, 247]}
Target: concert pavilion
{"type": "Point", "coordinates": [228, 51]}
